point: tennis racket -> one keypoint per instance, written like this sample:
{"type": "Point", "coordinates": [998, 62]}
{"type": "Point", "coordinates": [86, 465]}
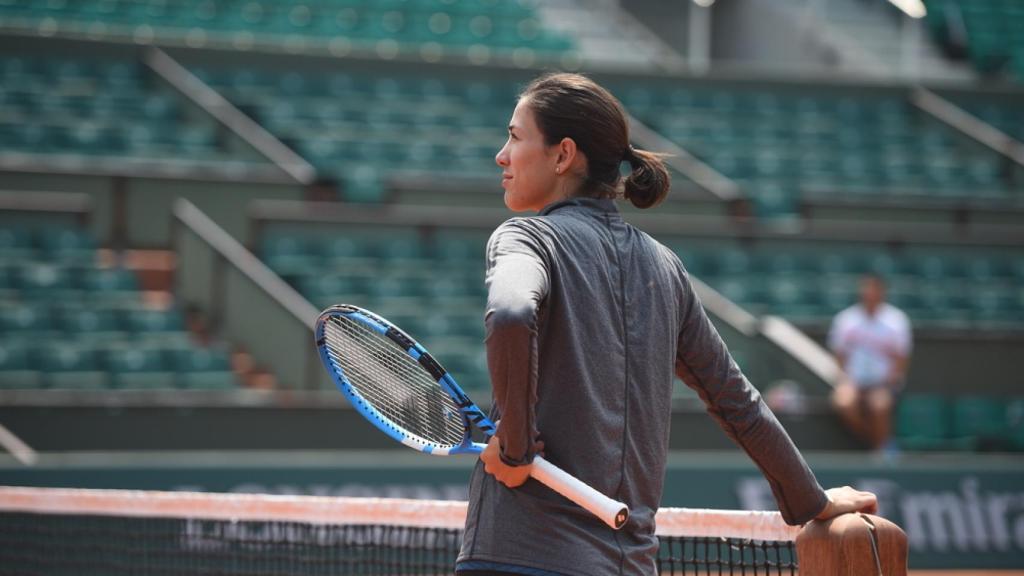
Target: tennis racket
{"type": "Point", "coordinates": [399, 387]}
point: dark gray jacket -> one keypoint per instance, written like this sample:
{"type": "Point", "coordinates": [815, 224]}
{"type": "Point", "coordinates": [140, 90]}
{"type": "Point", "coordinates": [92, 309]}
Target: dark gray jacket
{"type": "Point", "coordinates": [588, 319]}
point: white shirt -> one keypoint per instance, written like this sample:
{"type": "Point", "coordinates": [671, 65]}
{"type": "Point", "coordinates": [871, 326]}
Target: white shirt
{"type": "Point", "coordinates": [868, 342]}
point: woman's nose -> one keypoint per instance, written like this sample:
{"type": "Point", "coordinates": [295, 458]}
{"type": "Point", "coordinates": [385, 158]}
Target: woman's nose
{"type": "Point", "coordinates": [501, 158]}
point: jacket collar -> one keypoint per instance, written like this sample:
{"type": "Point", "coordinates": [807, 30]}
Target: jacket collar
{"type": "Point", "coordinates": [596, 204]}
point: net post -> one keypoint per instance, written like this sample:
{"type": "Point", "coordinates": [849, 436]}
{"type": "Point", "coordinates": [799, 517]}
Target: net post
{"type": "Point", "coordinates": [852, 545]}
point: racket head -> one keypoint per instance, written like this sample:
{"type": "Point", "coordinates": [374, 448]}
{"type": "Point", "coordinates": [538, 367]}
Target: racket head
{"type": "Point", "coordinates": [392, 381]}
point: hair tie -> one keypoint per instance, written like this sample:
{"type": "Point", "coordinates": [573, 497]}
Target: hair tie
{"type": "Point", "coordinates": [630, 154]}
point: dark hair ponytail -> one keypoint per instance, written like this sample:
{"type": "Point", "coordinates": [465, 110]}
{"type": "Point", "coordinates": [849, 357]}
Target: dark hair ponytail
{"type": "Point", "coordinates": [574, 106]}
{"type": "Point", "coordinates": [648, 181]}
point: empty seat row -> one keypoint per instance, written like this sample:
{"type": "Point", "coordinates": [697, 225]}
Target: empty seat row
{"type": "Point", "coordinates": [69, 105]}
{"type": "Point", "coordinates": [348, 247]}
{"type": "Point", "coordinates": [47, 243]}
{"type": "Point", "coordinates": [923, 263]}
{"type": "Point", "coordinates": [861, 142]}
{"type": "Point", "coordinates": [95, 321]}
{"type": "Point", "coordinates": [500, 24]}
{"type": "Point", "coordinates": [972, 288]}
{"type": "Point", "coordinates": [936, 422]}
{"type": "Point", "coordinates": [74, 364]}
{"type": "Point", "coordinates": [32, 281]}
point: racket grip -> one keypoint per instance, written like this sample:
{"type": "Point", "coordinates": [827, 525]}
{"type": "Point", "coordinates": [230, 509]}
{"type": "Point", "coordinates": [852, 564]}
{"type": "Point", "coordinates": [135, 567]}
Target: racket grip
{"type": "Point", "coordinates": [611, 512]}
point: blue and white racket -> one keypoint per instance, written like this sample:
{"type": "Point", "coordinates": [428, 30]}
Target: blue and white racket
{"type": "Point", "coordinates": [398, 386]}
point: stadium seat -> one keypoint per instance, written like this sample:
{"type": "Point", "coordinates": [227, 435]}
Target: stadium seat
{"type": "Point", "coordinates": [204, 369]}
{"type": "Point", "coordinates": [16, 370]}
{"type": "Point", "coordinates": [15, 243]}
{"type": "Point", "coordinates": [46, 280]}
{"type": "Point", "coordinates": [922, 422]}
{"type": "Point", "coordinates": [329, 288]}
{"type": "Point", "coordinates": [70, 365]}
{"type": "Point", "coordinates": [26, 320]}
{"type": "Point", "coordinates": [109, 283]}
{"type": "Point", "coordinates": [91, 323]}
{"type": "Point", "coordinates": [67, 244]}
{"type": "Point", "coordinates": [978, 423]}
{"type": "Point", "coordinates": [465, 359]}
{"type": "Point", "coordinates": [1014, 419]}
{"type": "Point", "coordinates": [155, 324]}
{"type": "Point", "coordinates": [133, 366]}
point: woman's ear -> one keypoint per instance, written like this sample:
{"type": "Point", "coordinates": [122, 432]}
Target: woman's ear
{"type": "Point", "coordinates": [567, 153]}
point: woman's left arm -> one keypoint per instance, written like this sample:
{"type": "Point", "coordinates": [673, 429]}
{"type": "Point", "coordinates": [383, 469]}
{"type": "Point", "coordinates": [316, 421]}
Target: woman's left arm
{"type": "Point", "coordinates": [703, 362]}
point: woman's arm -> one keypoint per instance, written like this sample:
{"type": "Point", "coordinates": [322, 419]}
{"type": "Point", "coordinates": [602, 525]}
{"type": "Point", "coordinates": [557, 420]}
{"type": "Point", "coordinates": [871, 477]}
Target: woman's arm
{"type": "Point", "coordinates": [703, 362]}
{"type": "Point", "coordinates": [517, 282]}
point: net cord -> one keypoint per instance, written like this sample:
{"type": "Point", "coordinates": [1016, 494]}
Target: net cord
{"type": "Point", "coordinates": [681, 522]}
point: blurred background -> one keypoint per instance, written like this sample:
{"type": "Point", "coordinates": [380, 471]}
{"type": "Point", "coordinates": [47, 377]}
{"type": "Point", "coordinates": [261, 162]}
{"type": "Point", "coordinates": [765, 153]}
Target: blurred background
{"type": "Point", "coordinates": [185, 184]}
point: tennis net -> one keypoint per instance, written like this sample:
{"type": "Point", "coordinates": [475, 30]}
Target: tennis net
{"type": "Point", "coordinates": [56, 532]}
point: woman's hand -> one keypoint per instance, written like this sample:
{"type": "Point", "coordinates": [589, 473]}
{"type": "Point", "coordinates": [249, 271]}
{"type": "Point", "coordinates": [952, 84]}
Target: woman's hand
{"type": "Point", "coordinates": [511, 476]}
{"type": "Point", "coordinates": [846, 499]}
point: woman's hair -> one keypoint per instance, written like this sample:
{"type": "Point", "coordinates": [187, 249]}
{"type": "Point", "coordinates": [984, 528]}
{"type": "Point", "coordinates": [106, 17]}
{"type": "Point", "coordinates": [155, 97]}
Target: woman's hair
{"type": "Point", "coordinates": [574, 106]}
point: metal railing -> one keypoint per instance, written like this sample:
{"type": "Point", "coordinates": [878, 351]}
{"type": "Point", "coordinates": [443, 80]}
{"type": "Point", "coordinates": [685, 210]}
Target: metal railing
{"type": "Point", "coordinates": [246, 302]}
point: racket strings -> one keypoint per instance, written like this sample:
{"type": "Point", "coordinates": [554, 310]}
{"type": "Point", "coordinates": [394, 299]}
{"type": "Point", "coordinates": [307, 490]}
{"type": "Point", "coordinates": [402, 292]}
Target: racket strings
{"type": "Point", "coordinates": [393, 383]}
{"type": "Point", "coordinates": [401, 391]}
{"type": "Point", "coordinates": [362, 364]}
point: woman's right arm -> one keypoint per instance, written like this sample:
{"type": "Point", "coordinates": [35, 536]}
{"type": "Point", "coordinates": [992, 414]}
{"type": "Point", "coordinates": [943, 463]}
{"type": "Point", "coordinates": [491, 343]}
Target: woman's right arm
{"type": "Point", "coordinates": [517, 282]}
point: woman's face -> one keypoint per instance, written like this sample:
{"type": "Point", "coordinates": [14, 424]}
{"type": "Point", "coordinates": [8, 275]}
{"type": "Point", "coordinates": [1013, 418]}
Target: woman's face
{"type": "Point", "coordinates": [528, 164]}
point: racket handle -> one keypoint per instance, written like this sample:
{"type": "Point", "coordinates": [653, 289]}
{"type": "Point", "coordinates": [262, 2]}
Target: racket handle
{"type": "Point", "coordinates": [612, 512]}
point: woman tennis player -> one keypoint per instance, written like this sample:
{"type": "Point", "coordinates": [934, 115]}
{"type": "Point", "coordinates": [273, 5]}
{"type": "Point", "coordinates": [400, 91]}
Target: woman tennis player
{"type": "Point", "coordinates": [588, 319]}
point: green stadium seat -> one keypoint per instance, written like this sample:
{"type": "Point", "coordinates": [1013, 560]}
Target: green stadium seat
{"type": "Point", "coordinates": [28, 320]}
{"type": "Point", "coordinates": [137, 367]}
{"type": "Point", "coordinates": [204, 369]}
{"type": "Point", "coordinates": [922, 422]}
{"type": "Point", "coordinates": [15, 243]}
{"type": "Point", "coordinates": [448, 286]}
{"type": "Point", "coordinates": [838, 293]}
{"type": "Point", "coordinates": [92, 323]}
{"type": "Point", "coordinates": [936, 266]}
{"type": "Point", "coordinates": [463, 249]}
{"type": "Point", "coordinates": [394, 287]}
{"type": "Point", "coordinates": [465, 359]}
{"type": "Point", "coordinates": [732, 261]}
{"type": "Point", "coordinates": [364, 185]}
{"type": "Point", "coordinates": [329, 288]}
{"type": "Point", "coordinates": [153, 321]}
{"type": "Point", "coordinates": [110, 283]}
{"type": "Point", "coordinates": [8, 282]}
{"type": "Point", "coordinates": [16, 370]}
{"type": "Point", "coordinates": [1014, 419]}
{"type": "Point", "coordinates": [460, 318]}
{"type": "Point", "coordinates": [743, 289]}
{"type": "Point", "coordinates": [45, 280]}
{"type": "Point", "coordinates": [794, 298]}
{"type": "Point", "coordinates": [282, 252]}
{"type": "Point", "coordinates": [978, 423]}
{"type": "Point", "coordinates": [981, 268]}
{"type": "Point", "coordinates": [70, 365]}
{"type": "Point", "coordinates": [884, 264]}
